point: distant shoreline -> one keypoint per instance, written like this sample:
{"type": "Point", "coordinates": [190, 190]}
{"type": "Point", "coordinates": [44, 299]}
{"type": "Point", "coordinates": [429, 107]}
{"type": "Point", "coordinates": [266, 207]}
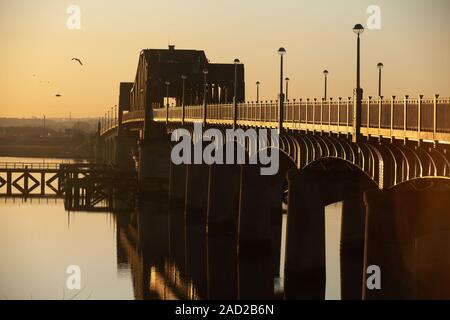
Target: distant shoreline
{"type": "Point", "coordinates": [40, 152]}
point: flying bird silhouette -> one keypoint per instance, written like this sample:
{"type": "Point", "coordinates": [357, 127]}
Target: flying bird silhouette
{"type": "Point", "coordinates": [78, 60]}
{"type": "Point", "coordinates": [58, 95]}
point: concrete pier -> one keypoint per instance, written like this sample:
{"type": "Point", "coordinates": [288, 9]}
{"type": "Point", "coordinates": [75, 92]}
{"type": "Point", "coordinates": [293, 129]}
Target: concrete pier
{"type": "Point", "coordinates": [407, 236]}
{"type": "Point", "coordinates": [223, 200]}
{"type": "Point", "coordinates": [254, 228]}
{"type": "Point", "coordinates": [196, 198]}
{"type": "Point", "coordinates": [154, 161]}
{"type": "Point", "coordinates": [310, 190]}
{"type": "Point", "coordinates": [305, 244]}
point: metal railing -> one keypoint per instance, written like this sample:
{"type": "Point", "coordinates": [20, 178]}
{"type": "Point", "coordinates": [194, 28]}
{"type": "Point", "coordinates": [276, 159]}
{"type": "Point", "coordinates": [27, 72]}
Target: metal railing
{"type": "Point", "coordinates": [36, 166]}
{"type": "Point", "coordinates": [379, 116]}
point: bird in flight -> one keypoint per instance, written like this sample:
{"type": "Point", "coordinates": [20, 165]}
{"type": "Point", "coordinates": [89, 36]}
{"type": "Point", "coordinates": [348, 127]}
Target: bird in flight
{"type": "Point", "coordinates": [58, 95]}
{"type": "Point", "coordinates": [78, 60]}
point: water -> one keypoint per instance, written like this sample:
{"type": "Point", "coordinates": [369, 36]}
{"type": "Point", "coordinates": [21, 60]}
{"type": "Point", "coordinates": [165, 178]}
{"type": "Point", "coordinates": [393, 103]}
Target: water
{"type": "Point", "coordinates": [142, 254]}
{"type": "Point", "coordinates": [38, 241]}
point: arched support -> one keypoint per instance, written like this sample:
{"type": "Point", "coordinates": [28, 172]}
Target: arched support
{"type": "Point", "coordinates": [407, 236]}
{"type": "Point", "coordinates": [325, 182]}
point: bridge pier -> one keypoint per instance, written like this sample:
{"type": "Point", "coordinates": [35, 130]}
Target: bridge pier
{"type": "Point", "coordinates": [196, 194]}
{"type": "Point", "coordinates": [254, 227]}
{"type": "Point", "coordinates": [310, 190]}
{"type": "Point", "coordinates": [407, 236]}
{"type": "Point", "coordinates": [195, 212]}
{"type": "Point", "coordinates": [123, 157]}
{"type": "Point", "coordinates": [223, 200]}
{"type": "Point", "coordinates": [154, 160]}
{"type": "Point", "coordinates": [352, 246]}
{"type": "Point", "coordinates": [254, 241]}
{"type": "Point", "coordinates": [305, 243]}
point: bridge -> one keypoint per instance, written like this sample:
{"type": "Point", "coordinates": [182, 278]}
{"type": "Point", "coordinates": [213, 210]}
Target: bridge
{"type": "Point", "coordinates": [83, 186]}
{"type": "Point", "coordinates": [386, 159]}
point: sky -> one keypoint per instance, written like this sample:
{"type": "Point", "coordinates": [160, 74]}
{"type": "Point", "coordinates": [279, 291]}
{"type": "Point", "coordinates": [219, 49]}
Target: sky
{"type": "Point", "coordinates": [37, 47]}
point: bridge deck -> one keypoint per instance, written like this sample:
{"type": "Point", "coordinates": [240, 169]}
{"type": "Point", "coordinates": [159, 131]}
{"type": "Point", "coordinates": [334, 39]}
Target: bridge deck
{"type": "Point", "coordinates": [413, 119]}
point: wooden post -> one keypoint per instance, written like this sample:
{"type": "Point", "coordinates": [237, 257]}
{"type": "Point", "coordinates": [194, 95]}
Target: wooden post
{"type": "Point", "coordinates": [9, 183]}
{"type": "Point", "coordinates": [25, 181]}
{"type": "Point", "coordinates": [42, 183]}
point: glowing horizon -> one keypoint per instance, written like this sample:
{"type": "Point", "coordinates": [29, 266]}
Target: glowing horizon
{"type": "Point", "coordinates": [412, 44]}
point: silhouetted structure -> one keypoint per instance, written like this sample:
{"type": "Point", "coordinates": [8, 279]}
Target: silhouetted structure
{"type": "Point", "coordinates": [354, 150]}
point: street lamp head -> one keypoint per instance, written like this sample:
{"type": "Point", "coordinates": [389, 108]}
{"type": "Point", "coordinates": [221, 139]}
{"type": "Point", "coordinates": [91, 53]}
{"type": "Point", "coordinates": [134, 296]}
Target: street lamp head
{"type": "Point", "coordinates": [236, 61]}
{"type": "Point", "coordinates": [325, 73]}
{"type": "Point", "coordinates": [205, 71]}
{"type": "Point", "coordinates": [287, 79]}
{"type": "Point", "coordinates": [358, 29]}
{"type": "Point", "coordinates": [380, 65]}
{"type": "Point", "coordinates": [167, 83]}
{"type": "Point", "coordinates": [183, 76]}
{"type": "Point", "coordinates": [282, 51]}
{"type": "Point", "coordinates": [258, 83]}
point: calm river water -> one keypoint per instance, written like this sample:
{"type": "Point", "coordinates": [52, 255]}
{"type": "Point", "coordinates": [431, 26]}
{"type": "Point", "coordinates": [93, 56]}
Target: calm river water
{"type": "Point", "coordinates": [129, 255]}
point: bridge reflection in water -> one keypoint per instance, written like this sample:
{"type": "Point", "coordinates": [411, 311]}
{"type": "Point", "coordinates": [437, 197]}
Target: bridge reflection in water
{"type": "Point", "coordinates": [172, 259]}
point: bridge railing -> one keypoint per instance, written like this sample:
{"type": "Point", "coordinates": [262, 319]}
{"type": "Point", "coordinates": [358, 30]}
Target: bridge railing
{"type": "Point", "coordinates": [397, 114]}
{"type": "Point", "coordinates": [319, 112]}
{"type": "Point", "coordinates": [31, 165]}
{"type": "Point", "coordinates": [131, 116]}
{"type": "Point", "coordinates": [258, 112]}
{"type": "Point", "coordinates": [220, 112]}
{"type": "Point", "coordinates": [416, 117]}
{"type": "Point", "coordinates": [428, 115]}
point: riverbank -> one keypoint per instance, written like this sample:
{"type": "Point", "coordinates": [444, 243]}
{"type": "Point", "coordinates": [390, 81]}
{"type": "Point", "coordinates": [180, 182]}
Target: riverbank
{"type": "Point", "coordinates": [42, 152]}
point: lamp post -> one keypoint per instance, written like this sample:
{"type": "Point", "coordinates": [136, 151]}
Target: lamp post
{"type": "Point", "coordinates": [281, 52]}
{"type": "Point", "coordinates": [325, 75]}
{"type": "Point", "coordinates": [287, 88]}
{"type": "Point", "coordinates": [257, 91]}
{"type": "Point", "coordinates": [183, 77]}
{"type": "Point", "coordinates": [235, 98]}
{"type": "Point", "coordinates": [379, 66]}
{"type": "Point", "coordinates": [205, 84]}
{"type": "Point", "coordinates": [358, 29]}
{"type": "Point", "coordinates": [167, 100]}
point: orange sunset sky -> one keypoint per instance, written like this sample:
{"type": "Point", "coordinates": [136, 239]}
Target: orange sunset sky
{"type": "Point", "coordinates": [413, 44]}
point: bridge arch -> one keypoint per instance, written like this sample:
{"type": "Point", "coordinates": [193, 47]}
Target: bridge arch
{"type": "Point", "coordinates": [325, 181]}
